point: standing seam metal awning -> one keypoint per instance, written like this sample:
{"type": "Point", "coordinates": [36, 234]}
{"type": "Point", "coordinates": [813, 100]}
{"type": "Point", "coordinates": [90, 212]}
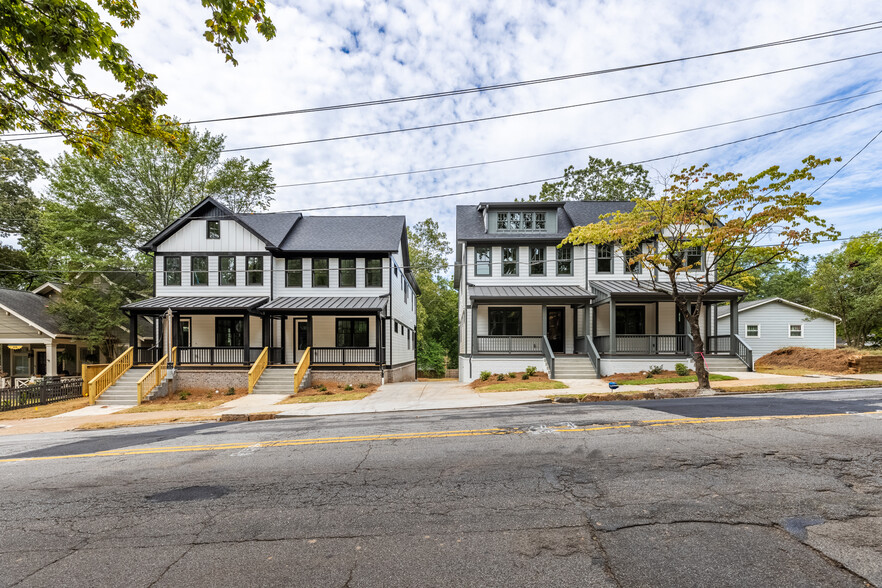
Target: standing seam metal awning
{"type": "Point", "coordinates": [573, 293]}
{"type": "Point", "coordinates": [199, 303]}
{"type": "Point", "coordinates": [633, 288]}
{"type": "Point", "coordinates": [327, 303]}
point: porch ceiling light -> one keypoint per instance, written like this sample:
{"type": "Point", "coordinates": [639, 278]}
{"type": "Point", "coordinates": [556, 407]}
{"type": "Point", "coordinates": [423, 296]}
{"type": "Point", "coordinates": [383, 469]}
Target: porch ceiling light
{"type": "Point", "coordinates": [15, 347]}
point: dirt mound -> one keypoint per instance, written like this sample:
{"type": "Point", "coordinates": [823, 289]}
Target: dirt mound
{"type": "Point", "coordinates": [838, 361]}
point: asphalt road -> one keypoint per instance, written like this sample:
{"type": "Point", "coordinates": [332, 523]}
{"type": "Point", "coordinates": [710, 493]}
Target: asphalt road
{"type": "Point", "coordinates": [762, 490]}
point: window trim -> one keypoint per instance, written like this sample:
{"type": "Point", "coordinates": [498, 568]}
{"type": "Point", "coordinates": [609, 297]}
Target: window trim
{"type": "Point", "coordinates": [598, 258]}
{"type": "Point", "coordinates": [326, 271]}
{"type": "Point", "coordinates": [488, 263]}
{"type": "Point", "coordinates": [289, 272]}
{"type": "Point", "coordinates": [492, 309]}
{"type": "Point", "coordinates": [194, 272]}
{"type": "Point", "coordinates": [221, 271]}
{"type": "Point", "coordinates": [632, 269]}
{"type": "Point", "coordinates": [167, 272]}
{"type": "Point", "coordinates": [514, 261]}
{"type": "Point", "coordinates": [540, 263]}
{"type": "Point", "coordinates": [569, 249]}
{"type": "Point", "coordinates": [208, 225]}
{"type": "Point", "coordinates": [251, 272]}
{"type": "Point", "coordinates": [217, 320]}
{"type": "Point", "coordinates": [790, 334]}
{"type": "Point", "coordinates": [747, 334]}
{"type": "Point", "coordinates": [368, 271]}
{"type": "Point", "coordinates": [506, 220]}
{"type": "Point", "coordinates": [341, 269]}
{"type": "Point", "coordinates": [352, 332]}
{"type": "Point", "coordinates": [700, 264]}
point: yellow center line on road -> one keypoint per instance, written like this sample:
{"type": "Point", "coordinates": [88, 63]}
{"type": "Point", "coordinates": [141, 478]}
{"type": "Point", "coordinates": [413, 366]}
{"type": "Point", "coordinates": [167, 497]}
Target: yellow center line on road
{"type": "Point", "coordinates": [428, 435]}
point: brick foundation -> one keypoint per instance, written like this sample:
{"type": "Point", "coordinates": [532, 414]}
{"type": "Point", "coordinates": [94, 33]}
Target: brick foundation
{"type": "Point", "coordinates": [210, 380]}
{"type": "Point", "coordinates": [404, 373]}
{"type": "Point", "coordinates": [353, 377]}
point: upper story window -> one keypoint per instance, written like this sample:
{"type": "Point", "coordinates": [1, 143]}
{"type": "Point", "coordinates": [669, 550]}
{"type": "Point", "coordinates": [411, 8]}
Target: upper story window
{"type": "Point", "coordinates": [537, 261]}
{"type": "Point", "coordinates": [483, 260]}
{"type": "Point", "coordinates": [226, 275]}
{"type": "Point", "coordinates": [373, 273]}
{"type": "Point", "coordinates": [172, 270]}
{"type": "Point", "coordinates": [294, 273]}
{"type": "Point", "coordinates": [693, 257]}
{"type": "Point", "coordinates": [199, 270]}
{"type": "Point", "coordinates": [509, 261]}
{"type": "Point", "coordinates": [212, 229]}
{"type": "Point", "coordinates": [515, 221]}
{"type": "Point", "coordinates": [254, 270]}
{"type": "Point", "coordinates": [347, 273]}
{"type": "Point", "coordinates": [565, 260]}
{"type": "Point", "coordinates": [320, 278]}
{"type": "Point", "coordinates": [633, 266]}
{"type": "Point", "coordinates": [604, 258]}
{"type": "Point", "coordinates": [406, 294]}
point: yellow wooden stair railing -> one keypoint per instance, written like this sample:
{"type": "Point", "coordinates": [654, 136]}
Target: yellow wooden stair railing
{"type": "Point", "coordinates": [174, 357]}
{"type": "Point", "coordinates": [152, 378]}
{"type": "Point", "coordinates": [110, 374]}
{"type": "Point", "coordinates": [301, 370]}
{"type": "Point", "coordinates": [257, 369]}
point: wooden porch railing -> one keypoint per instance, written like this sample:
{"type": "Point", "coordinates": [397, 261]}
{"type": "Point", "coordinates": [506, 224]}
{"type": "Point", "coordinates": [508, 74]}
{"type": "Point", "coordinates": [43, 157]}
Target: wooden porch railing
{"type": "Point", "coordinates": [174, 357]}
{"type": "Point", "coordinates": [301, 370]}
{"type": "Point", "coordinates": [152, 378]}
{"type": "Point", "coordinates": [110, 374]}
{"type": "Point", "coordinates": [257, 369]}
{"type": "Point", "coordinates": [89, 372]}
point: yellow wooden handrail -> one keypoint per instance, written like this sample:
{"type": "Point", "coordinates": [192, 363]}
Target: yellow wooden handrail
{"type": "Point", "coordinates": [110, 374]}
{"type": "Point", "coordinates": [257, 369]}
{"type": "Point", "coordinates": [174, 356]}
{"type": "Point", "coordinates": [301, 370]}
{"type": "Point", "coordinates": [152, 378]}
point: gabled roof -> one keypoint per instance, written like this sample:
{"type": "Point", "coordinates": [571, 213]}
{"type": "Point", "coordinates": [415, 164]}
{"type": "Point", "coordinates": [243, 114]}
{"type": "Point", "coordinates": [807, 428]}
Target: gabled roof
{"type": "Point", "coordinates": [380, 234]}
{"type": "Point", "coordinates": [745, 306]}
{"type": "Point", "coordinates": [272, 227]}
{"type": "Point", "coordinates": [30, 308]}
{"type": "Point", "coordinates": [48, 287]}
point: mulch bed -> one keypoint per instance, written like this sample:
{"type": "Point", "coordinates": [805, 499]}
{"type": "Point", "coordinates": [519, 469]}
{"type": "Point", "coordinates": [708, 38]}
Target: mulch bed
{"type": "Point", "coordinates": [838, 361]}
{"type": "Point", "coordinates": [642, 376]}
{"type": "Point", "coordinates": [334, 388]}
{"type": "Point", "coordinates": [193, 396]}
{"type": "Point", "coordinates": [519, 377]}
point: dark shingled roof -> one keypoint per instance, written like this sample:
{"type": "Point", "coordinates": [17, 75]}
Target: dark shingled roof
{"type": "Point", "coordinates": [273, 227]}
{"type": "Point", "coordinates": [31, 306]}
{"type": "Point", "coordinates": [346, 233]}
{"type": "Point", "coordinates": [529, 292]}
{"type": "Point", "coordinates": [470, 220]}
{"type": "Point", "coordinates": [163, 303]}
{"type": "Point", "coordinates": [342, 303]}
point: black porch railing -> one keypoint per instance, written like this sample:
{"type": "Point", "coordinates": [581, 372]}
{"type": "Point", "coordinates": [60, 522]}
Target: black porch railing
{"type": "Point", "coordinates": [147, 355]}
{"type": "Point", "coordinates": [678, 345]}
{"type": "Point", "coordinates": [49, 390]}
{"type": "Point", "coordinates": [510, 344]}
{"type": "Point", "coordinates": [275, 355]}
{"type": "Point", "coordinates": [216, 355]}
{"type": "Point", "coordinates": [719, 345]}
{"type": "Point", "coordinates": [345, 355]}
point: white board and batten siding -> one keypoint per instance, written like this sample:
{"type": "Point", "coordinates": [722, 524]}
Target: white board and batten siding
{"type": "Point", "coordinates": [192, 238]}
{"type": "Point", "coordinates": [774, 320]}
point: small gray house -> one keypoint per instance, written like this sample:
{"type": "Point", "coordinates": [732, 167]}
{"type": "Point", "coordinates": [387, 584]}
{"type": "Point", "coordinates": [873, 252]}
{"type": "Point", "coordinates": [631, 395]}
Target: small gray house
{"type": "Point", "coordinates": [773, 323]}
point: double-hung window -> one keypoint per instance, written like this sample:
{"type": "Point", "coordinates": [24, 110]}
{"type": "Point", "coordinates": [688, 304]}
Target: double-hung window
{"type": "Point", "coordinates": [509, 261]}
{"type": "Point", "coordinates": [633, 266]}
{"type": "Point", "coordinates": [693, 257]}
{"type": "Point", "coordinates": [199, 270]}
{"type": "Point", "coordinates": [373, 273]}
{"type": "Point", "coordinates": [752, 331]}
{"type": "Point", "coordinates": [294, 273]}
{"type": "Point", "coordinates": [320, 278]}
{"type": "Point", "coordinates": [347, 273]}
{"type": "Point", "coordinates": [796, 331]}
{"type": "Point", "coordinates": [352, 332]}
{"type": "Point", "coordinates": [172, 270]}
{"type": "Point", "coordinates": [505, 321]}
{"type": "Point", "coordinates": [537, 261]}
{"type": "Point", "coordinates": [604, 258]}
{"type": "Point", "coordinates": [226, 270]}
{"type": "Point", "coordinates": [483, 260]}
{"type": "Point", "coordinates": [212, 229]}
{"type": "Point", "coordinates": [565, 260]}
{"type": "Point", "coordinates": [254, 270]}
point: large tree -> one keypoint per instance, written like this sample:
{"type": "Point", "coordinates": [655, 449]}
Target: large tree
{"type": "Point", "coordinates": [102, 208]}
{"type": "Point", "coordinates": [601, 179]}
{"type": "Point", "coordinates": [790, 280]}
{"type": "Point", "coordinates": [740, 223]}
{"type": "Point", "coordinates": [848, 283]}
{"type": "Point", "coordinates": [45, 44]}
{"type": "Point", "coordinates": [19, 168]}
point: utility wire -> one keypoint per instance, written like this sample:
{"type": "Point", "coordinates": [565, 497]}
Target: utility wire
{"type": "Point", "coordinates": [846, 163]}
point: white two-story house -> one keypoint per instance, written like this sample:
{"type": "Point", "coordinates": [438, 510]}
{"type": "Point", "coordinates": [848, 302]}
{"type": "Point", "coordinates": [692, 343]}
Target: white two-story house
{"type": "Point", "coordinates": [571, 311]}
{"type": "Point", "coordinates": [229, 285]}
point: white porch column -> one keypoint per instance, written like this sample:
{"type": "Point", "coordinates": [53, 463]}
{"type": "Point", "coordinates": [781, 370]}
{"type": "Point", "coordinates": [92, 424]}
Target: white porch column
{"type": "Point", "coordinates": [51, 368]}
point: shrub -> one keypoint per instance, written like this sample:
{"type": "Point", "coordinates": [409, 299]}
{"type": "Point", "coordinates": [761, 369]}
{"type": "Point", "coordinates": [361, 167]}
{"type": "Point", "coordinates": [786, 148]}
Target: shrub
{"type": "Point", "coordinates": [681, 369]}
{"type": "Point", "coordinates": [512, 375]}
{"type": "Point", "coordinates": [362, 385]}
{"type": "Point", "coordinates": [500, 377]}
{"type": "Point", "coordinates": [525, 377]}
{"type": "Point", "coordinates": [531, 370]}
{"type": "Point", "coordinates": [656, 369]}
{"type": "Point", "coordinates": [649, 375]}
{"type": "Point", "coordinates": [231, 392]}
{"type": "Point", "coordinates": [322, 388]}
{"type": "Point", "coordinates": [183, 395]}
{"type": "Point", "coordinates": [485, 376]}
{"type": "Point", "coordinates": [348, 387]}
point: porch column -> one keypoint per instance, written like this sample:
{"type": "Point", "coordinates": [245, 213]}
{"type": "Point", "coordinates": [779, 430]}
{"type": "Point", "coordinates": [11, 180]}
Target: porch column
{"type": "Point", "coordinates": [377, 329]}
{"type": "Point", "coordinates": [382, 345]}
{"type": "Point", "coordinates": [283, 345]}
{"type": "Point", "coordinates": [545, 321]}
{"type": "Point", "coordinates": [51, 368]}
{"type": "Point", "coordinates": [133, 330]}
{"type": "Point", "coordinates": [474, 328]}
{"type": "Point", "coordinates": [266, 326]}
{"type": "Point", "coordinates": [246, 339]}
{"type": "Point", "coordinates": [733, 322]}
{"type": "Point", "coordinates": [585, 330]}
{"type": "Point", "coordinates": [612, 326]}
{"type": "Point", "coordinates": [175, 329]}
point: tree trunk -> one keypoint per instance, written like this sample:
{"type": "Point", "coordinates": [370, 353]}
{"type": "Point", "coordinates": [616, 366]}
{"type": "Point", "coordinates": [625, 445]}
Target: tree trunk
{"type": "Point", "coordinates": [693, 318]}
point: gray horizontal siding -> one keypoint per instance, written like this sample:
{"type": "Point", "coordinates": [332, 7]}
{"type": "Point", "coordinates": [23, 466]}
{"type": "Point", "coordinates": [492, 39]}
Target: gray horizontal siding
{"type": "Point", "coordinates": [774, 320]}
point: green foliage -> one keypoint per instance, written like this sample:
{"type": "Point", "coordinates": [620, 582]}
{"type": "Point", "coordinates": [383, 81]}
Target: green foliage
{"type": "Point", "coordinates": [19, 168]}
{"type": "Point", "coordinates": [512, 375]}
{"type": "Point", "coordinates": [231, 391]}
{"type": "Point", "coordinates": [525, 377]}
{"type": "Point", "coordinates": [656, 369]}
{"type": "Point", "coordinates": [848, 284]}
{"type": "Point", "coordinates": [531, 370]}
{"type": "Point", "coordinates": [348, 388]}
{"type": "Point", "coordinates": [681, 369]}
{"type": "Point", "coordinates": [485, 375]}
{"type": "Point", "coordinates": [601, 179]}
{"type": "Point", "coordinates": [500, 377]}
{"type": "Point", "coordinates": [183, 394]}
{"type": "Point", "coordinates": [362, 385]}
{"type": "Point", "coordinates": [649, 375]}
{"type": "Point", "coordinates": [45, 45]}
{"type": "Point", "coordinates": [430, 357]}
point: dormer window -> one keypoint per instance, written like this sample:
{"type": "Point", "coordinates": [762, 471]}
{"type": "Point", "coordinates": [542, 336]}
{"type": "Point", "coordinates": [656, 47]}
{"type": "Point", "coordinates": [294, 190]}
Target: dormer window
{"type": "Point", "coordinates": [513, 221]}
{"type": "Point", "coordinates": [212, 229]}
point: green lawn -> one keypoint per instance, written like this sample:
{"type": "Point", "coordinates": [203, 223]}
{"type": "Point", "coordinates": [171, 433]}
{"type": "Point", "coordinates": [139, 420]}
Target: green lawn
{"type": "Point", "coordinates": [325, 398]}
{"type": "Point", "coordinates": [518, 386]}
{"type": "Point", "coordinates": [672, 380]}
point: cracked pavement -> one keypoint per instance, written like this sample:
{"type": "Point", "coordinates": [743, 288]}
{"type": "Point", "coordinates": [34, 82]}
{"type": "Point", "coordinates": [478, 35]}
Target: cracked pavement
{"type": "Point", "coordinates": [783, 502]}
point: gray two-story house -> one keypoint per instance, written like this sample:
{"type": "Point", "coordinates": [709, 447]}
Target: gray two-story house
{"type": "Point", "coordinates": [575, 312]}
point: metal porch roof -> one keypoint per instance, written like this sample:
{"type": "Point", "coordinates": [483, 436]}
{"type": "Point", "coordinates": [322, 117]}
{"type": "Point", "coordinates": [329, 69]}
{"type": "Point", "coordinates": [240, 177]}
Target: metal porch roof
{"type": "Point", "coordinates": [637, 288]}
{"type": "Point", "coordinates": [220, 303]}
{"type": "Point", "coordinates": [529, 292]}
{"type": "Point", "coordinates": [328, 303]}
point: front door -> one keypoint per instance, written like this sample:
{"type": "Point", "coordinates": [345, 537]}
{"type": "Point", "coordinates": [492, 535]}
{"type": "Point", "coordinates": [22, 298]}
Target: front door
{"type": "Point", "coordinates": [41, 363]}
{"type": "Point", "coordinates": [556, 329]}
{"type": "Point", "coordinates": [301, 339]}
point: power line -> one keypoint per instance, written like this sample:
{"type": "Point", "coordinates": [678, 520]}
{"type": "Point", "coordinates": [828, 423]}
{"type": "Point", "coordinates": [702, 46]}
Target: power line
{"type": "Point", "coordinates": [542, 110]}
{"type": "Point", "coordinates": [846, 163]}
{"type": "Point", "coordinates": [866, 27]}
{"type": "Point", "coordinates": [573, 150]}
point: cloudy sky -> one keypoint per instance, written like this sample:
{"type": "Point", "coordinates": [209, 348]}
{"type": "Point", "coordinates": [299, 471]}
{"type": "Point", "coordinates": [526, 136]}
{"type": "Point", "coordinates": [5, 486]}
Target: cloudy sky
{"type": "Point", "coordinates": [336, 52]}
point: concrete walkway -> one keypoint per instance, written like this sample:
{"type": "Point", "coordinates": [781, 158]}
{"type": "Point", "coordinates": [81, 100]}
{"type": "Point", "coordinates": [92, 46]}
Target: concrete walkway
{"type": "Point", "coordinates": [90, 411]}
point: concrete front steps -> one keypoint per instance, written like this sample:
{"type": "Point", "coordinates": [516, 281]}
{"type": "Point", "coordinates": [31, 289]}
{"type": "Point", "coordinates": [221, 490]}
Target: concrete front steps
{"type": "Point", "coordinates": [124, 391]}
{"type": "Point", "coordinates": [276, 380]}
{"type": "Point", "coordinates": [573, 367]}
{"type": "Point", "coordinates": [724, 363]}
